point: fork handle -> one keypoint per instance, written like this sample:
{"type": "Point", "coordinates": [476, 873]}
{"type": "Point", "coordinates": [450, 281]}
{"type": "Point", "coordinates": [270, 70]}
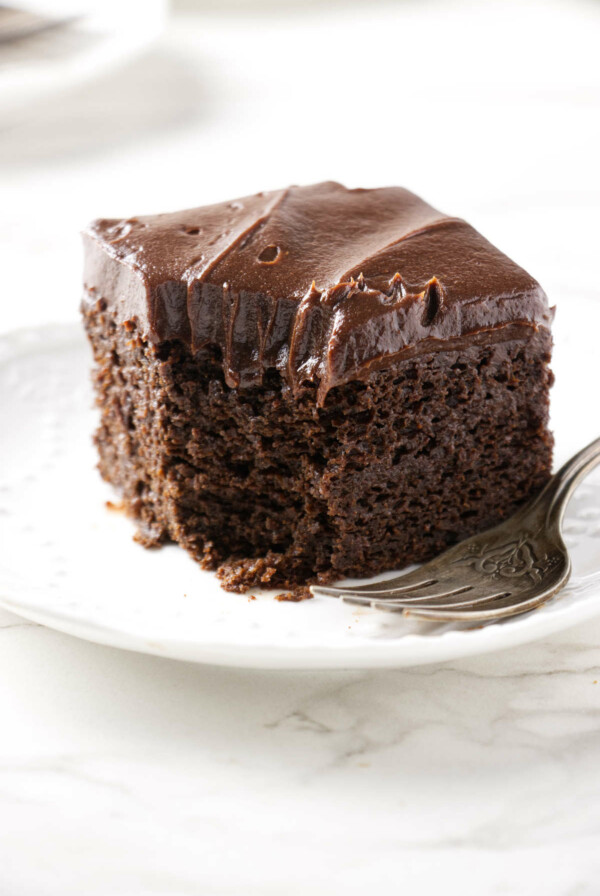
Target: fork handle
{"type": "Point", "coordinates": [560, 488]}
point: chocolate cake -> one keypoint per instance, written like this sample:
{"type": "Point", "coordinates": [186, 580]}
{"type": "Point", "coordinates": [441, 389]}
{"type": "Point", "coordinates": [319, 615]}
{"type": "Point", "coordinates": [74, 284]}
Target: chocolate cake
{"type": "Point", "coordinates": [315, 382]}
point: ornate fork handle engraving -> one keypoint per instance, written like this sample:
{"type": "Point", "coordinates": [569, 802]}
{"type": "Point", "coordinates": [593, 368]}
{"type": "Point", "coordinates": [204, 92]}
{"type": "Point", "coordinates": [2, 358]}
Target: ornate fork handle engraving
{"type": "Point", "coordinates": [514, 559]}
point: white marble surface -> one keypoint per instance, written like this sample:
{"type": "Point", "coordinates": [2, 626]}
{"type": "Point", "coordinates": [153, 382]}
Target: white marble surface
{"type": "Point", "coordinates": [131, 775]}
{"type": "Point", "coordinates": [126, 774]}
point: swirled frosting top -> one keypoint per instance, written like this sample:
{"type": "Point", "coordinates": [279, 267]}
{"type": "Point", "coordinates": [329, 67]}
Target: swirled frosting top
{"type": "Point", "coordinates": [321, 282]}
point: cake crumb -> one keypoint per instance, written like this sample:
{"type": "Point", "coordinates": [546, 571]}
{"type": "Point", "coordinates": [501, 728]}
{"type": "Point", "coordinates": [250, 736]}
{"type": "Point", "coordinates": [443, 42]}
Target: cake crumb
{"type": "Point", "coordinates": [240, 576]}
{"type": "Point", "coordinates": [116, 506]}
{"type": "Point", "coordinates": [302, 592]}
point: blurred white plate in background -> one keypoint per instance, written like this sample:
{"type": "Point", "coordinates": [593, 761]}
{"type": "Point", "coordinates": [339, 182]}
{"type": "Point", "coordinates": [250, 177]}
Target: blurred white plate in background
{"type": "Point", "coordinates": [97, 35]}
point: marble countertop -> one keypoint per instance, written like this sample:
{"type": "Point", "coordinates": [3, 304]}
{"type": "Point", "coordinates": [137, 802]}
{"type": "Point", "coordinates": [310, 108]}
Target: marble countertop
{"type": "Point", "coordinates": [127, 775]}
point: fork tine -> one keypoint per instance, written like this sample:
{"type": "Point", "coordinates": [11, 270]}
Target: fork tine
{"type": "Point", "coordinates": [377, 588]}
{"type": "Point", "coordinates": [491, 609]}
{"type": "Point", "coordinates": [466, 596]}
{"type": "Point", "coordinates": [424, 576]}
{"type": "Point", "coordinates": [464, 605]}
{"type": "Point", "coordinates": [486, 612]}
{"type": "Point", "coordinates": [429, 595]}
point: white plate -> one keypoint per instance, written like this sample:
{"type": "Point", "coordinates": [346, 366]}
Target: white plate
{"type": "Point", "coordinates": [102, 36]}
{"type": "Point", "coordinates": [69, 562]}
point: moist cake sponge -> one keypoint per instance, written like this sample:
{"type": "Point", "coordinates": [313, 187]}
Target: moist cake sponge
{"type": "Point", "coordinates": [315, 382]}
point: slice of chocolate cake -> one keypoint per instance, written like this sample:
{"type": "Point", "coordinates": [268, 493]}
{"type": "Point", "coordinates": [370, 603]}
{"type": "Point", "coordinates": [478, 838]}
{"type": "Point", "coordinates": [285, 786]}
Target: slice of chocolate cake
{"type": "Point", "coordinates": [315, 383]}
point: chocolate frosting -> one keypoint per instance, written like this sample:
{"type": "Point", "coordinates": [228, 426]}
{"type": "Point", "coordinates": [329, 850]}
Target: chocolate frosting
{"type": "Point", "coordinates": [320, 282]}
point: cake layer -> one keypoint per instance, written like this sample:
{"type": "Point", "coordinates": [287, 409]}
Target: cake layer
{"type": "Point", "coordinates": [276, 491]}
{"type": "Point", "coordinates": [320, 283]}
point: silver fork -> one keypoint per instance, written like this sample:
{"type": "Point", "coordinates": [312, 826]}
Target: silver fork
{"type": "Point", "coordinates": [508, 570]}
